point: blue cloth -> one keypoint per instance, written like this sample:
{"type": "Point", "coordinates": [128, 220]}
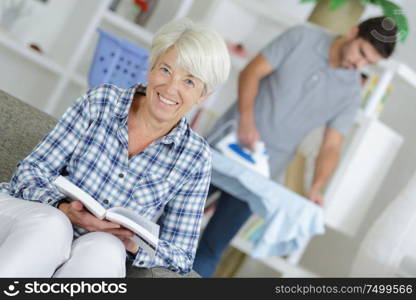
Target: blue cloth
{"type": "Point", "coordinates": [288, 217]}
{"type": "Point", "coordinates": [169, 178]}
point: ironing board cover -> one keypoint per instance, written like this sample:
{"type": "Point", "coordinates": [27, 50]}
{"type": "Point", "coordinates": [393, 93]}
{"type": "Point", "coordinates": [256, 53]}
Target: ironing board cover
{"type": "Point", "coordinates": [288, 217]}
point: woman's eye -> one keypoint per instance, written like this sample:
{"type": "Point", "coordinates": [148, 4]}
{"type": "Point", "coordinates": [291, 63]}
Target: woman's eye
{"type": "Point", "coordinates": [165, 70]}
{"type": "Point", "coordinates": [189, 82]}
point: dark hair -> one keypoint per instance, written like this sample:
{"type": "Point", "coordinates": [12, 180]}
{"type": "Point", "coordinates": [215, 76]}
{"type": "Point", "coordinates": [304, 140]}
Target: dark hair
{"type": "Point", "coordinates": [381, 33]}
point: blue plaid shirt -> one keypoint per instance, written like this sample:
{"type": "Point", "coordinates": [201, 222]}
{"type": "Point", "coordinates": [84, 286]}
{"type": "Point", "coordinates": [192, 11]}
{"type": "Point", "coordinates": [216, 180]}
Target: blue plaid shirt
{"type": "Point", "coordinates": [170, 178]}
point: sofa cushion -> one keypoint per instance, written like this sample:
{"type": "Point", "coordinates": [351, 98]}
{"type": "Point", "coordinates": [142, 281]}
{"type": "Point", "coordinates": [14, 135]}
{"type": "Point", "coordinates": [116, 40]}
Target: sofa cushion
{"type": "Point", "coordinates": [21, 128]}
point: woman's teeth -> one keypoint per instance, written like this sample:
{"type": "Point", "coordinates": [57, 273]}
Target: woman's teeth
{"type": "Point", "coordinates": [167, 101]}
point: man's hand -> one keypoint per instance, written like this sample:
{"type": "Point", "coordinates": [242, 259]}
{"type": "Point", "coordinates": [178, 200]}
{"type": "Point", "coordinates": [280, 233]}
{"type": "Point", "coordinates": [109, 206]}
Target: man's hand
{"type": "Point", "coordinates": [315, 195]}
{"type": "Point", "coordinates": [248, 134]}
{"type": "Point", "coordinates": [80, 217]}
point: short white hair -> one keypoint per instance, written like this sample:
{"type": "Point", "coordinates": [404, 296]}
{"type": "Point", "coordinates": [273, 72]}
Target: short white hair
{"type": "Point", "coordinates": [201, 51]}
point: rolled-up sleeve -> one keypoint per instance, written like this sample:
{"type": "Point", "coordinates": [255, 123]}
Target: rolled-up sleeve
{"type": "Point", "coordinates": [180, 223]}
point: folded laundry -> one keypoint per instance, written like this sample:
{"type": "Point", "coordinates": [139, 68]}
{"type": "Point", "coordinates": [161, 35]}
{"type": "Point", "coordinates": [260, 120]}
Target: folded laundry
{"type": "Point", "coordinates": [288, 217]}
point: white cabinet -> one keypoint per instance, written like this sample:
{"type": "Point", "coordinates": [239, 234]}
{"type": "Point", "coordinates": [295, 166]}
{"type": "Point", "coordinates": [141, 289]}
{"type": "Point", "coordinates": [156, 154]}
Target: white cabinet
{"type": "Point", "coordinates": [53, 79]}
{"type": "Point", "coordinates": [364, 165]}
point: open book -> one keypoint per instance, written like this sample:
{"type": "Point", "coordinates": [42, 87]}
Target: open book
{"type": "Point", "coordinates": [147, 232]}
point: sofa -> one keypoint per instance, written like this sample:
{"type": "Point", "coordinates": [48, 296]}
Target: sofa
{"type": "Point", "coordinates": [21, 127]}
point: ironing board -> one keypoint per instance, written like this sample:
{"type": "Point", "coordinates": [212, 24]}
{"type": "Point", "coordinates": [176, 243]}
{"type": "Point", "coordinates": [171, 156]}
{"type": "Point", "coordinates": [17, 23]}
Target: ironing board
{"type": "Point", "coordinates": [289, 219]}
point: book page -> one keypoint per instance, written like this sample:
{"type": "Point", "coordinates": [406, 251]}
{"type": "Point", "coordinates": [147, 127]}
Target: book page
{"type": "Point", "coordinates": [152, 227]}
{"type": "Point", "coordinates": [147, 232]}
{"type": "Point", "coordinates": [75, 193]}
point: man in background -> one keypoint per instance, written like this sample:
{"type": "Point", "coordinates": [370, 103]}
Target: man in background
{"type": "Point", "coordinates": [304, 79]}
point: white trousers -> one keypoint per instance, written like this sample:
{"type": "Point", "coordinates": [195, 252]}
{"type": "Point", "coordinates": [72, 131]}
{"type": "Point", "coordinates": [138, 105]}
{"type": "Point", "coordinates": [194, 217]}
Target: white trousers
{"type": "Point", "coordinates": [36, 240]}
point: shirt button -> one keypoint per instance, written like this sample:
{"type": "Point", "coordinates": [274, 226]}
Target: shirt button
{"type": "Point", "coordinates": [121, 175]}
{"type": "Point", "coordinates": [315, 77]}
{"type": "Point", "coordinates": [106, 201]}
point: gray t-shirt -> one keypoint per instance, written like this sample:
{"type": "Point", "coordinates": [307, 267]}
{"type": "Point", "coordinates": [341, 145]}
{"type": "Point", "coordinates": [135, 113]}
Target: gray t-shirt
{"type": "Point", "coordinates": [301, 94]}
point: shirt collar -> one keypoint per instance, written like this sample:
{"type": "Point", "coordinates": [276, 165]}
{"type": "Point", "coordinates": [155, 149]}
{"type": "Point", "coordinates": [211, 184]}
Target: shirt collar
{"type": "Point", "coordinates": [122, 108]}
{"type": "Point", "coordinates": [341, 73]}
{"type": "Point", "coordinates": [125, 99]}
{"type": "Point", "coordinates": [175, 136]}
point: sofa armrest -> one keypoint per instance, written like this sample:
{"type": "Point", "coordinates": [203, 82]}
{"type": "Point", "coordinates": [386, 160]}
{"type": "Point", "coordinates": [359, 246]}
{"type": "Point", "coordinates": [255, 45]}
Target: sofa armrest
{"type": "Point", "coordinates": [22, 127]}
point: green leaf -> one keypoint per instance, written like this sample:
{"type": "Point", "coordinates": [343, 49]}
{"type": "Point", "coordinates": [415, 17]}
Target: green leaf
{"type": "Point", "coordinates": [334, 4]}
{"type": "Point", "coordinates": [375, 2]}
{"type": "Point", "coordinates": [390, 10]}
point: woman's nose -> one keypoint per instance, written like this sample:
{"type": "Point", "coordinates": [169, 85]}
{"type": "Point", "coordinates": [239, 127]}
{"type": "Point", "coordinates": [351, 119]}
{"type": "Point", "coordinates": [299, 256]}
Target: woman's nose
{"type": "Point", "coordinates": [172, 86]}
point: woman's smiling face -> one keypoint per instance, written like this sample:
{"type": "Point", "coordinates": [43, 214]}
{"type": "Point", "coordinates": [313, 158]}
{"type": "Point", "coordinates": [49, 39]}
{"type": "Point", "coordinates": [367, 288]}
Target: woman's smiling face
{"type": "Point", "coordinates": [171, 91]}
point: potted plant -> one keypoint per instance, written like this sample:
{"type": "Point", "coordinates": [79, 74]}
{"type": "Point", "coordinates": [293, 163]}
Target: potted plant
{"type": "Point", "coordinates": [340, 15]}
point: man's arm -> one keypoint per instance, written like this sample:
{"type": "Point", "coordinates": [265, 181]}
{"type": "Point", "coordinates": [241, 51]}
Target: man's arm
{"type": "Point", "coordinates": [248, 85]}
{"type": "Point", "coordinates": [326, 163]}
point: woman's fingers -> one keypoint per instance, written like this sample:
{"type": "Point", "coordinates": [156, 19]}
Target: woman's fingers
{"type": "Point", "coordinates": [121, 232]}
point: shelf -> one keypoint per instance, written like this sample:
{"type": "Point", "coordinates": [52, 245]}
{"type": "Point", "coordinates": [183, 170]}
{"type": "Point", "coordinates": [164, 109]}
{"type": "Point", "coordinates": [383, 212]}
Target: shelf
{"type": "Point", "coordinates": [79, 80]}
{"type": "Point", "coordinates": [129, 27]}
{"type": "Point", "coordinates": [280, 264]}
{"type": "Point", "coordinates": [262, 10]}
{"type": "Point", "coordinates": [277, 263]}
{"type": "Point", "coordinates": [403, 70]}
{"type": "Point", "coordinates": [407, 74]}
{"type": "Point", "coordinates": [17, 47]}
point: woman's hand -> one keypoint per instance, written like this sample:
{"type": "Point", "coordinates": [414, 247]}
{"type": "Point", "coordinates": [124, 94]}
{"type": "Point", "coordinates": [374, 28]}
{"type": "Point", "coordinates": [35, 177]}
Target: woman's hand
{"type": "Point", "coordinates": [131, 246]}
{"type": "Point", "coordinates": [80, 217]}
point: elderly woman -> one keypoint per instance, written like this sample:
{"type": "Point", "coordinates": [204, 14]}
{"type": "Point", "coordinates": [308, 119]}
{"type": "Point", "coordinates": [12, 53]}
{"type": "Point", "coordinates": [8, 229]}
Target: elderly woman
{"type": "Point", "coordinates": [126, 147]}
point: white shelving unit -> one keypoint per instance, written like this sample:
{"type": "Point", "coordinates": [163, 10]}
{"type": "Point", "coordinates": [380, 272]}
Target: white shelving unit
{"type": "Point", "coordinates": [60, 75]}
{"type": "Point", "coordinates": [124, 25]}
{"type": "Point", "coordinates": [8, 42]}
